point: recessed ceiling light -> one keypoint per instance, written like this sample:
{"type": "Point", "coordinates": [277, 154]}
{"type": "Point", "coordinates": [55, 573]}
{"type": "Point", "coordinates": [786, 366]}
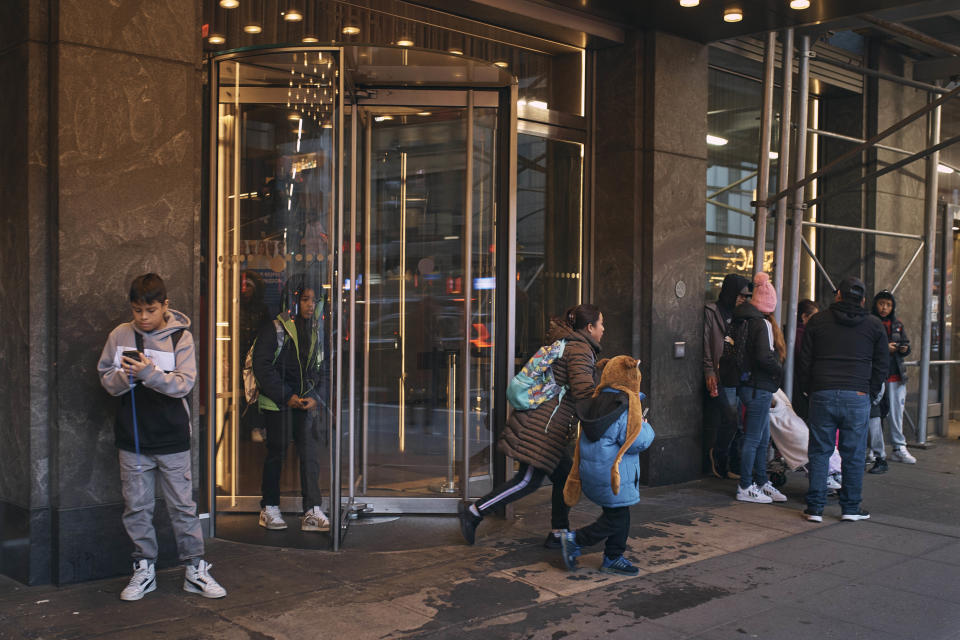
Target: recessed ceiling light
{"type": "Point", "coordinates": [252, 28]}
{"type": "Point", "coordinates": [229, 4]}
{"type": "Point", "coordinates": [404, 42]}
{"type": "Point", "coordinates": [216, 39]}
{"type": "Point", "coordinates": [309, 39]}
{"type": "Point", "coordinates": [942, 168]}
{"type": "Point", "coordinates": [733, 14]}
{"type": "Point", "coordinates": [382, 118]}
{"type": "Point", "coordinates": [292, 15]}
{"type": "Point", "coordinates": [689, 3]}
{"type": "Point", "coordinates": [350, 30]}
{"type": "Point", "coordinates": [799, 4]}
{"type": "Point", "coordinates": [503, 64]}
{"type": "Point", "coordinates": [457, 52]}
{"type": "Point", "coordinates": [430, 113]}
{"type": "Point", "coordinates": [716, 141]}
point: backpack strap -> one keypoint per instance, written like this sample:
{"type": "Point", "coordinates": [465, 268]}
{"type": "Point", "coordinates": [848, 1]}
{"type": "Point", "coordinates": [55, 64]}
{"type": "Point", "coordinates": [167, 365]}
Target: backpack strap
{"type": "Point", "coordinates": [174, 338]}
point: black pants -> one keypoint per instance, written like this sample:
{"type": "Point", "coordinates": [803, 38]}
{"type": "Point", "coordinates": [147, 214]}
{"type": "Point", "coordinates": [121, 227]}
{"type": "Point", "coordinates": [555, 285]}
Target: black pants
{"type": "Point", "coordinates": [281, 425]}
{"type": "Point", "coordinates": [613, 526]}
{"type": "Point", "coordinates": [724, 413]}
{"type": "Point", "coordinates": [527, 480]}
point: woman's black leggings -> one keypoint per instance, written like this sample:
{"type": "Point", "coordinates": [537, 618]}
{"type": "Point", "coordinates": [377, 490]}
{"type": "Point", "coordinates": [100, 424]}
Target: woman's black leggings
{"type": "Point", "coordinates": [527, 480]}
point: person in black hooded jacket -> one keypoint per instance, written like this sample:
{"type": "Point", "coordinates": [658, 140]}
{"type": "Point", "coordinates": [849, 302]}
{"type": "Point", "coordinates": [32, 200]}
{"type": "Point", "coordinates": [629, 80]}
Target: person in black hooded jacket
{"type": "Point", "coordinates": [721, 411]}
{"type": "Point", "coordinates": [843, 364]}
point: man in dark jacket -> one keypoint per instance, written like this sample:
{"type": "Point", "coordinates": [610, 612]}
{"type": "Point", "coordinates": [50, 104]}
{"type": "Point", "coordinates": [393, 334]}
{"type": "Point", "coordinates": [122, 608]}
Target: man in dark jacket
{"type": "Point", "coordinates": [721, 406]}
{"type": "Point", "coordinates": [843, 364]}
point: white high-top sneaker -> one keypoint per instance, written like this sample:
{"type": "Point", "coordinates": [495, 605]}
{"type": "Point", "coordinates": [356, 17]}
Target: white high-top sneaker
{"type": "Point", "coordinates": [900, 454]}
{"type": "Point", "coordinates": [197, 579]}
{"type": "Point", "coordinates": [144, 581]}
{"type": "Point", "coordinates": [271, 518]}
{"type": "Point", "coordinates": [315, 520]}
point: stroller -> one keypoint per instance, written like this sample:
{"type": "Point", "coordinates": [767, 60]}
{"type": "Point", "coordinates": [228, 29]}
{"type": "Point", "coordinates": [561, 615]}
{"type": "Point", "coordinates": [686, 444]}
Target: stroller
{"type": "Point", "coordinates": [788, 450]}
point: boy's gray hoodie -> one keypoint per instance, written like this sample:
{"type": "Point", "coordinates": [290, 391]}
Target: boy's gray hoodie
{"type": "Point", "coordinates": [163, 415]}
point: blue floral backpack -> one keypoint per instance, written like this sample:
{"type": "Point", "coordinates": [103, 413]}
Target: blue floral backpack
{"type": "Point", "coordinates": [535, 383]}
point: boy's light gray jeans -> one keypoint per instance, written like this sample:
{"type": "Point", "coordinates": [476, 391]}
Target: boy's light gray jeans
{"type": "Point", "coordinates": [139, 497]}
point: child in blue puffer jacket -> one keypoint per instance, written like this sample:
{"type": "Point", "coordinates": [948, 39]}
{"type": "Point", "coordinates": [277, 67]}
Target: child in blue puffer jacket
{"type": "Point", "coordinates": [607, 464]}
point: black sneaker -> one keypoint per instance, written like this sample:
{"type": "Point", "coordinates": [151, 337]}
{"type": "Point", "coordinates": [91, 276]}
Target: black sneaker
{"type": "Point", "coordinates": [879, 466]}
{"type": "Point", "coordinates": [860, 514]}
{"type": "Point", "coordinates": [813, 516]}
{"type": "Point", "coordinates": [468, 522]}
{"type": "Point", "coordinates": [552, 541]}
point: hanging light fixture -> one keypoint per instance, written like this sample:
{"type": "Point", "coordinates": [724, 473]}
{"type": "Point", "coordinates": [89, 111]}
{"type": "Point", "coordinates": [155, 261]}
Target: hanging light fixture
{"type": "Point", "coordinates": [503, 64]}
{"type": "Point", "coordinates": [732, 14]}
{"type": "Point", "coordinates": [689, 3]}
{"type": "Point", "coordinates": [229, 4]}
{"type": "Point", "coordinates": [292, 15]}
{"type": "Point", "coordinates": [799, 5]}
{"type": "Point", "coordinates": [350, 30]}
{"type": "Point", "coordinates": [404, 42]}
{"type": "Point", "coordinates": [251, 17]}
{"type": "Point", "coordinates": [216, 38]}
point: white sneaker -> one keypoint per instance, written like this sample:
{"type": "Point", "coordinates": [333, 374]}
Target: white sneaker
{"type": "Point", "coordinates": [834, 481]}
{"type": "Point", "coordinates": [270, 518]}
{"type": "Point", "coordinates": [753, 494]}
{"type": "Point", "coordinates": [900, 454]}
{"type": "Point", "coordinates": [144, 581]}
{"type": "Point", "coordinates": [774, 494]}
{"type": "Point", "coordinates": [197, 579]}
{"type": "Point", "coordinates": [315, 520]}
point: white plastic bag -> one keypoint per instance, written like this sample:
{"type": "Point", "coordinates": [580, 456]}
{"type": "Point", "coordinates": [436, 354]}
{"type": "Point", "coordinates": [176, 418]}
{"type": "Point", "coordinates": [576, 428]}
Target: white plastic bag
{"type": "Point", "coordinates": [789, 431]}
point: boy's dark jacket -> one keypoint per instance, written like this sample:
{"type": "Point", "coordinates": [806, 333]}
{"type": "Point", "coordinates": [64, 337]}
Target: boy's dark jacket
{"type": "Point", "coordinates": [896, 327]}
{"type": "Point", "coordinates": [163, 415]}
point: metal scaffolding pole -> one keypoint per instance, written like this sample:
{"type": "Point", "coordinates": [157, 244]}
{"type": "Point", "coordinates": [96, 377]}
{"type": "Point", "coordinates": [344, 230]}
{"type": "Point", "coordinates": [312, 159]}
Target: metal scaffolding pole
{"type": "Point", "coordinates": [763, 179]}
{"type": "Point", "coordinates": [930, 232]}
{"type": "Point", "coordinates": [803, 78]}
{"type": "Point", "coordinates": [783, 168]}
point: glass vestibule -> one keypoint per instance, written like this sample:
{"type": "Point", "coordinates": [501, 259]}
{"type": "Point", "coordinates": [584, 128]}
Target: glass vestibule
{"type": "Point", "coordinates": [382, 200]}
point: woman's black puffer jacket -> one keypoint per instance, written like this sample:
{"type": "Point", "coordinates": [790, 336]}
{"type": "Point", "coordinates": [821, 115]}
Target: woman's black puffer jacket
{"type": "Point", "coordinates": [527, 436]}
{"type": "Point", "coordinates": [762, 361]}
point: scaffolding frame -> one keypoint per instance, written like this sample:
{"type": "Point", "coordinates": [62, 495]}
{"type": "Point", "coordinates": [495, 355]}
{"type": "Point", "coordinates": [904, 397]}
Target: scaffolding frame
{"type": "Point", "coordinates": [790, 196]}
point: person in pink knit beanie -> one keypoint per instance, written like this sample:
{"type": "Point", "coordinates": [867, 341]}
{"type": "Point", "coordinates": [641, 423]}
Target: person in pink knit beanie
{"type": "Point", "coordinates": [762, 350]}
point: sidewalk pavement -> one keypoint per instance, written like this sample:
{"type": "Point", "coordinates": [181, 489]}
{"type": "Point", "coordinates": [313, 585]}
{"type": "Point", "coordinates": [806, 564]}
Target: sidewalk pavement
{"type": "Point", "coordinates": [711, 568]}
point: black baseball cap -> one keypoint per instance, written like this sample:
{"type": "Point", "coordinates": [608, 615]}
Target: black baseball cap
{"type": "Point", "coordinates": [852, 288]}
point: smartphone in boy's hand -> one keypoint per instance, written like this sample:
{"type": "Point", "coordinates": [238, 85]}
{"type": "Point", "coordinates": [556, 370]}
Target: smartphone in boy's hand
{"type": "Point", "coordinates": [133, 355]}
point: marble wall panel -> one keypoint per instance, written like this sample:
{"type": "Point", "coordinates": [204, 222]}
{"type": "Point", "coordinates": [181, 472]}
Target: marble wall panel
{"type": "Point", "coordinates": [14, 289]}
{"type": "Point", "coordinates": [680, 108]}
{"type": "Point", "coordinates": [41, 286]}
{"type": "Point", "coordinates": [619, 89]}
{"type": "Point", "coordinates": [678, 256]}
{"type": "Point", "coordinates": [617, 258]}
{"type": "Point", "coordinates": [129, 172]}
{"type": "Point", "coordinates": [168, 29]}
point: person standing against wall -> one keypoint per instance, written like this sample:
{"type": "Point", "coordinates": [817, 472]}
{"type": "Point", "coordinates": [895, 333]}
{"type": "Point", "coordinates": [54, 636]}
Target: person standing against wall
{"type": "Point", "coordinates": [721, 403]}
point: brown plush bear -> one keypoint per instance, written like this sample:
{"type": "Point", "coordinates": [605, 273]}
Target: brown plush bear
{"type": "Point", "coordinates": [623, 374]}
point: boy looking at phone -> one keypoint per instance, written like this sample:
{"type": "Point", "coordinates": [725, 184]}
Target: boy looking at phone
{"type": "Point", "coordinates": [151, 364]}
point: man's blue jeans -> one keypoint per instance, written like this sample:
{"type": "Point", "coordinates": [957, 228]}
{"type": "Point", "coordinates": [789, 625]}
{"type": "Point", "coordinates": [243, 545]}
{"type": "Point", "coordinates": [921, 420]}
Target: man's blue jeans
{"type": "Point", "coordinates": [848, 412]}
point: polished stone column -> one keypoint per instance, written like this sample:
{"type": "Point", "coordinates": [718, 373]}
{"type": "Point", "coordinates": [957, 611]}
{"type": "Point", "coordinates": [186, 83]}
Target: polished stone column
{"type": "Point", "coordinates": [105, 181]}
{"type": "Point", "coordinates": [649, 232]}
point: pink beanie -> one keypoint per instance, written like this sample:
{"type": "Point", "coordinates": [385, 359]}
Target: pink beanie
{"type": "Point", "coordinates": [764, 295]}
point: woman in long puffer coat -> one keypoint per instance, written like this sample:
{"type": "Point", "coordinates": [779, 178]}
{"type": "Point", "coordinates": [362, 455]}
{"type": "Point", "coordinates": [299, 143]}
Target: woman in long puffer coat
{"type": "Point", "coordinates": [538, 438]}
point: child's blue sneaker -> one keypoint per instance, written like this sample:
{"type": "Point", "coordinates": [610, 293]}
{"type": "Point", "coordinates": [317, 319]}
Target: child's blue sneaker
{"type": "Point", "coordinates": [570, 549]}
{"type": "Point", "coordinates": [619, 565]}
